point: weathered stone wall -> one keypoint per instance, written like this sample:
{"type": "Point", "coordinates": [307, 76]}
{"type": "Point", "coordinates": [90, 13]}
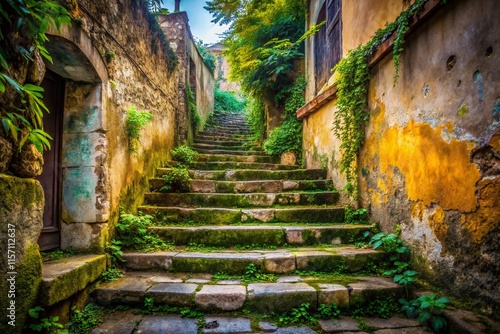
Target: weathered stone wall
{"type": "Point", "coordinates": [222, 69]}
{"type": "Point", "coordinates": [192, 72]}
{"type": "Point", "coordinates": [21, 214]}
{"type": "Point", "coordinates": [431, 157]}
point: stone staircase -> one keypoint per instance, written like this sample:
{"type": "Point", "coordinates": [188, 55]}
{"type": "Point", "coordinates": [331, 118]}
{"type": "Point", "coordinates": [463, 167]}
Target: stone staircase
{"type": "Point", "coordinates": [246, 212]}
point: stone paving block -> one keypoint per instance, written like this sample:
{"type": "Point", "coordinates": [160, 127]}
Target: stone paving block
{"type": "Point", "coordinates": [228, 262]}
{"type": "Point", "coordinates": [369, 288]}
{"type": "Point", "coordinates": [226, 325]}
{"type": "Point", "coordinates": [393, 322]}
{"type": "Point", "coordinates": [159, 277]}
{"type": "Point", "coordinates": [279, 262]}
{"type": "Point", "coordinates": [262, 215]}
{"type": "Point", "coordinates": [280, 297]}
{"type": "Point", "coordinates": [290, 185]}
{"type": "Point", "coordinates": [229, 282]}
{"type": "Point", "coordinates": [333, 293]}
{"type": "Point", "coordinates": [124, 290]}
{"type": "Point", "coordinates": [167, 324]}
{"type": "Point", "coordinates": [411, 330]}
{"type": "Point", "coordinates": [202, 186]}
{"type": "Point", "coordinates": [119, 322]}
{"type": "Point", "coordinates": [148, 261]}
{"type": "Point", "coordinates": [177, 294]}
{"type": "Point", "coordinates": [289, 279]}
{"type": "Point", "coordinates": [343, 324]}
{"type": "Point", "coordinates": [295, 330]}
{"type": "Point", "coordinates": [318, 260]}
{"type": "Point", "coordinates": [221, 297]}
{"type": "Point", "coordinates": [267, 327]}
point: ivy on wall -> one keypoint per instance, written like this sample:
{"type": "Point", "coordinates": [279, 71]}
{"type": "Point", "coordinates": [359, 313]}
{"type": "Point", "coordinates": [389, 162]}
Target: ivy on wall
{"type": "Point", "coordinates": [352, 81]}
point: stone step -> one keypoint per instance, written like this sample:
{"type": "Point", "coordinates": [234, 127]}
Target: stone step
{"type": "Point", "coordinates": [223, 216]}
{"type": "Point", "coordinates": [132, 321]}
{"type": "Point", "coordinates": [237, 158]}
{"type": "Point", "coordinates": [223, 137]}
{"type": "Point", "coordinates": [252, 174]}
{"type": "Point", "coordinates": [276, 186]}
{"type": "Point", "coordinates": [219, 141]}
{"type": "Point", "coordinates": [209, 295]}
{"type": "Point", "coordinates": [231, 152]}
{"type": "Point", "coordinates": [346, 259]}
{"type": "Point", "coordinates": [224, 165]}
{"type": "Point", "coordinates": [248, 200]}
{"type": "Point", "coordinates": [240, 147]}
{"type": "Point", "coordinates": [245, 235]}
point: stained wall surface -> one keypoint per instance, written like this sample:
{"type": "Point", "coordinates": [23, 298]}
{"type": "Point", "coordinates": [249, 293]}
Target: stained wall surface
{"type": "Point", "coordinates": [431, 157]}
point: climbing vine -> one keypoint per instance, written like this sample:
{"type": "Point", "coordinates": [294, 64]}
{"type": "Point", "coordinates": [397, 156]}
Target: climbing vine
{"type": "Point", "coordinates": [352, 81]}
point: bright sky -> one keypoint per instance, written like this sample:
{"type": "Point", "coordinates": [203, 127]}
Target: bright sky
{"type": "Point", "coordinates": [199, 20]}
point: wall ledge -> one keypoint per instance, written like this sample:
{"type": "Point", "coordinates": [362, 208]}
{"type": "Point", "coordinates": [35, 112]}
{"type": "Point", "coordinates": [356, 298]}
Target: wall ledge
{"type": "Point", "coordinates": [430, 7]}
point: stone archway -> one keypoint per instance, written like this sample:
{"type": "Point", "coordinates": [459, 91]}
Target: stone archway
{"type": "Point", "coordinates": [84, 199]}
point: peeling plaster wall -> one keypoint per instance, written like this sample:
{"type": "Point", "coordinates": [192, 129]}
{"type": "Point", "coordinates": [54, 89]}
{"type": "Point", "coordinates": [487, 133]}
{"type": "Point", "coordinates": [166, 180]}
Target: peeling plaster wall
{"type": "Point", "coordinates": [431, 158]}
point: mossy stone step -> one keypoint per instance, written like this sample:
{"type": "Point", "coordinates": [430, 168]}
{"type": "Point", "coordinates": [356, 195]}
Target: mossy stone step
{"type": "Point", "coordinates": [248, 200]}
{"type": "Point", "coordinates": [279, 261]}
{"type": "Point", "coordinates": [219, 141]}
{"type": "Point", "coordinates": [266, 186]}
{"type": "Point", "coordinates": [178, 289]}
{"type": "Point", "coordinates": [240, 147]}
{"type": "Point", "coordinates": [264, 235]}
{"type": "Point", "coordinates": [223, 216]}
{"type": "Point", "coordinates": [231, 152]}
{"type": "Point", "coordinates": [224, 165]}
{"type": "Point", "coordinates": [252, 174]}
{"type": "Point", "coordinates": [237, 158]}
{"type": "Point", "coordinates": [223, 137]}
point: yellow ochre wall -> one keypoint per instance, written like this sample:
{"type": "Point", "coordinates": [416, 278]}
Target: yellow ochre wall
{"type": "Point", "coordinates": [431, 157]}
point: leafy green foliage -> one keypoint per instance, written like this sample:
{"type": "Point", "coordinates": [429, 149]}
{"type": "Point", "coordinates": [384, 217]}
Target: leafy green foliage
{"type": "Point", "coordinates": [49, 325]}
{"type": "Point", "coordinates": [84, 321]}
{"type": "Point", "coordinates": [132, 233]}
{"type": "Point", "coordinates": [57, 254]}
{"type": "Point", "coordinates": [288, 136]}
{"type": "Point", "coordinates": [111, 274]}
{"type": "Point", "coordinates": [427, 309]}
{"type": "Point", "coordinates": [252, 274]}
{"type": "Point", "coordinates": [184, 154]}
{"type": "Point", "coordinates": [304, 314]}
{"type": "Point", "coordinates": [358, 216]}
{"type": "Point", "coordinates": [328, 311]}
{"type": "Point", "coordinates": [136, 121]}
{"type": "Point", "coordinates": [27, 23]}
{"type": "Point", "coordinates": [227, 102]}
{"type": "Point", "coordinates": [207, 56]}
{"type": "Point", "coordinates": [383, 307]}
{"type": "Point", "coordinates": [193, 110]}
{"type": "Point", "coordinates": [256, 118]}
{"type": "Point", "coordinates": [176, 180]}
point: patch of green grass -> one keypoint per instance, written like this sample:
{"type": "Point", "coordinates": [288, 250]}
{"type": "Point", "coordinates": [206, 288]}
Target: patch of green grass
{"type": "Point", "coordinates": [57, 254]}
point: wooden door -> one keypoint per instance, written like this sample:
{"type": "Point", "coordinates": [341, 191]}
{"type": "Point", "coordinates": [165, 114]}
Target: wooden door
{"type": "Point", "coordinates": [53, 97]}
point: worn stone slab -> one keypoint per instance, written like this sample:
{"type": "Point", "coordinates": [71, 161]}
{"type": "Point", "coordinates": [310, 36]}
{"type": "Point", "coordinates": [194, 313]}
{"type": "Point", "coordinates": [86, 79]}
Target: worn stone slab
{"type": "Point", "coordinates": [221, 297]}
{"type": "Point", "coordinates": [411, 330]}
{"type": "Point", "coordinates": [340, 325]}
{"type": "Point", "coordinates": [202, 186]}
{"type": "Point", "coordinates": [177, 294]}
{"type": "Point", "coordinates": [154, 277]}
{"type": "Point", "coordinates": [295, 330]}
{"type": "Point", "coordinates": [333, 293]}
{"type": "Point", "coordinates": [148, 261]}
{"type": "Point", "coordinates": [223, 325]}
{"type": "Point", "coordinates": [289, 279]}
{"type": "Point", "coordinates": [167, 324]}
{"type": "Point", "coordinates": [63, 278]}
{"type": "Point", "coordinates": [369, 288]}
{"type": "Point", "coordinates": [279, 262]}
{"type": "Point", "coordinates": [124, 290]}
{"type": "Point", "coordinates": [290, 185]}
{"type": "Point", "coordinates": [280, 297]}
{"type": "Point", "coordinates": [229, 282]}
{"type": "Point", "coordinates": [318, 260]}
{"type": "Point", "coordinates": [393, 322]}
{"type": "Point", "coordinates": [119, 322]}
{"type": "Point", "coordinates": [231, 263]}
{"type": "Point", "coordinates": [467, 322]}
{"type": "Point", "coordinates": [262, 215]}
{"type": "Point", "coordinates": [267, 327]}
{"type": "Point", "coordinates": [258, 186]}
{"type": "Point", "coordinates": [198, 280]}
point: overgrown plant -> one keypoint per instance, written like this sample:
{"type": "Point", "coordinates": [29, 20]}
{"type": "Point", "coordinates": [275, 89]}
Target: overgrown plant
{"type": "Point", "coordinates": [48, 325]}
{"type": "Point", "coordinates": [256, 117]}
{"type": "Point", "coordinates": [193, 110]}
{"type": "Point", "coordinates": [132, 233]}
{"type": "Point", "coordinates": [176, 180]}
{"type": "Point", "coordinates": [184, 154]}
{"type": "Point", "coordinates": [136, 121]}
{"type": "Point", "coordinates": [82, 322]}
{"type": "Point", "coordinates": [26, 22]}
{"type": "Point", "coordinates": [352, 80]}
{"type": "Point", "coordinates": [428, 309]}
{"type": "Point", "coordinates": [225, 101]}
{"type": "Point", "coordinates": [207, 56]}
{"type": "Point", "coordinates": [288, 136]}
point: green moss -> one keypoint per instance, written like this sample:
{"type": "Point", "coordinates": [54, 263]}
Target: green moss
{"type": "Point", "coordinates": [463, 110]}
{"type": "Point", "coordinates": [27, 283]}
{"type": "Point", "coordinates": [23, 192]}
{"type": "Point", "coordinates": [225, 187]}
{"type": "Point", "coordinates": [212, 265]}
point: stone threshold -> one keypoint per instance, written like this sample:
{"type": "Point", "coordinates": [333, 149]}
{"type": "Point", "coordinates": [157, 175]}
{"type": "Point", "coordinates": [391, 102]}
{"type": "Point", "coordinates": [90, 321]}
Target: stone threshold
{"type": "Point", "coordinates": [63, 278]}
